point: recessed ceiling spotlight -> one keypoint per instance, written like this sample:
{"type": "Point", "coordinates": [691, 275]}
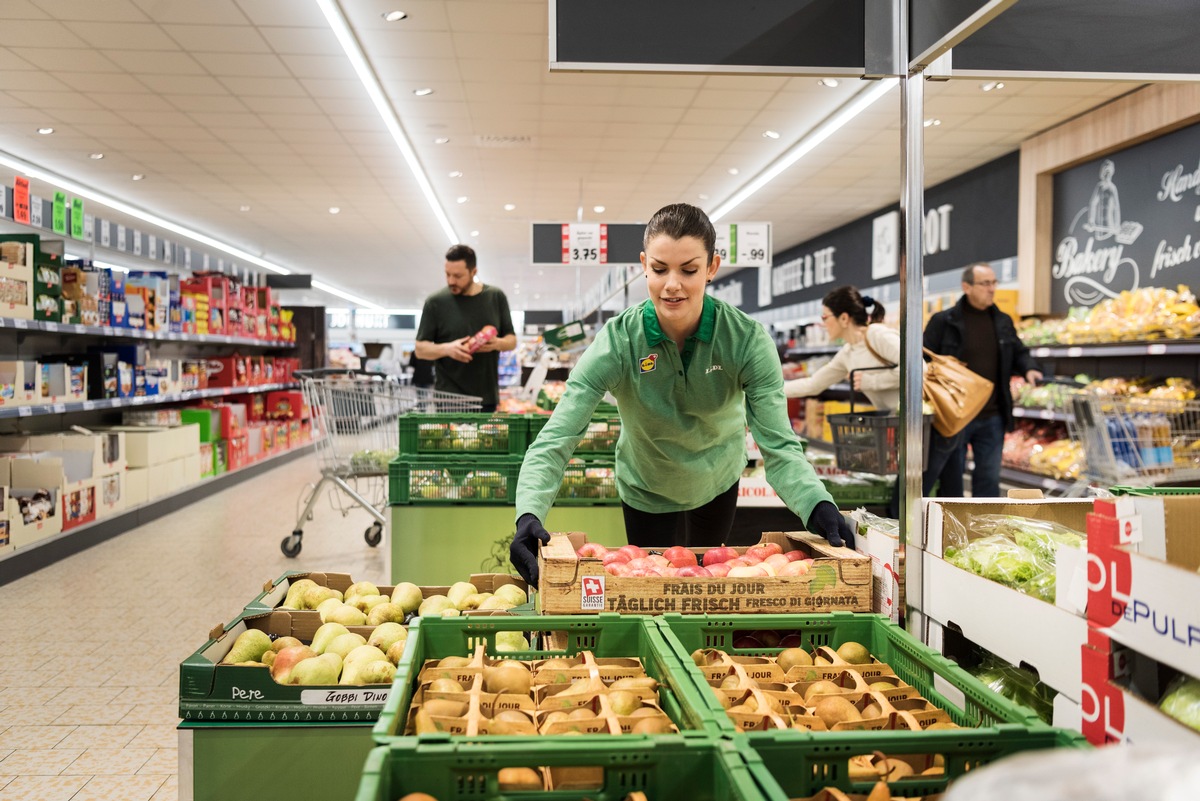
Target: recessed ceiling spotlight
{"type": "Point", "coordinates": [830, 82]}
{"type": "Point", "coordinates": [509, 206]}
{"type": "Point", "coordinates": [598, 209]}
{"type": "Point", "coordinates": [243, 207]}
{"type": "Point", "coordinates": [702, 196]}
{"type": "Point", "coordinates": [138, 176]}
{"type": "Point", "coordinates": [461, 199]}
{"type": "Point", "coordinates": [95, 156]}
{"type": "Point", "coordinates": [46, 130]}
{"type": "Point", "coordinates": [456, 173]}
{"type": "Point", "coordinates": [990, 85]}
{"type": "Point", "coordinates": [474, 233]}
{"type": "Point", "coordinates": [932, 121]}
{"type": "Point", "coordinates": [441, 140]}
{"type": "Point", "coordinates": [536, 296]}
{"type": "Point", "coordinates": [733, 170]}
{"type": "Point", "coordinates": [423, 91]}
{"type": "Point", "coordinates": [393, 16]}
{"type": "Point", "coordinates": [334, 210]}
{"type": "Point", "coordinates": [771, 134]}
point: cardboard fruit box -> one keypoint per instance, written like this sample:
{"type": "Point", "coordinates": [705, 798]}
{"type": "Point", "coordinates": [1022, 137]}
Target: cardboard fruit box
{"type": "Point", "coordinates": [210, 691]}
{"type": "Point", "coordinates": [839, 579]}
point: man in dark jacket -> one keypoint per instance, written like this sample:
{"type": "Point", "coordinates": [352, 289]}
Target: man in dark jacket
{"type": "Point", "coordinates": [983, 337]}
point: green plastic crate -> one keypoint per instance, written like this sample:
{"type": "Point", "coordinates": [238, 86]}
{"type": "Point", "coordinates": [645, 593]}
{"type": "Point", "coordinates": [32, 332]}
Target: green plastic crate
{"type": "Point", "coordinates": [453, 479]}
{"type": "Point", "coordinates": [669, 766]}
{"type": "Point", "coordinates": [797, 767]}
{"type": "Point", "coordinates": [851, 496]}
{"type": "Point", "coordinates": [600, 439]}
{"type": "Point", "coordinates": [605, 635]}
{"type": "Point", "coordinates": [588, 482]}
{"type": "Point", "coordinates": [496, 434]}
{"type": "Point", "coordinates": [967, 700]}
{"type": "Point", "coordinates": [1163, 491]}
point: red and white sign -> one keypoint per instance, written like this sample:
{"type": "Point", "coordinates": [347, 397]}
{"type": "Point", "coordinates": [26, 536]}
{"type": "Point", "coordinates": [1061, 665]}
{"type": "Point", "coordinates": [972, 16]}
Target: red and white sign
{"type": "Point", "coordinates": [592, 597]}
{"type": "Point", "coordinates": [585, 243]}
{"type": "Point", "coordinates": [21, 200]}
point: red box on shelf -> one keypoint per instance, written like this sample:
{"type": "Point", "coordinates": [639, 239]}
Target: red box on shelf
{"type": "Point", "coordinates": [215, 287]}
{"type": "Point", "coordinates": [295, 431]}
{"type": "Point", "coordinates": [228, 371]}
{"type": "Point", "coordinates": [249, 311]}
{"type": "Point", "coordinates": [233, 419]}
{"type": "Point", "coordinates": [285, 405]}
{"type": "Point", "coordinates": [238, 452]}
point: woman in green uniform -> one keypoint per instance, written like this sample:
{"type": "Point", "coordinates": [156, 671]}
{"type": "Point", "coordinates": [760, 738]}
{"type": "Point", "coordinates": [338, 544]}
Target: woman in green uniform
{"type": "Point", "coordinates": [689, 372]}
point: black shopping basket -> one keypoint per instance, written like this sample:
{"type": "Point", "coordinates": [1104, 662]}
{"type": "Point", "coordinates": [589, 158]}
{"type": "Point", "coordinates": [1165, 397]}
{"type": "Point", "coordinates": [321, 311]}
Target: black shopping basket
{"type": "Point", "coordinates": [868, 442]}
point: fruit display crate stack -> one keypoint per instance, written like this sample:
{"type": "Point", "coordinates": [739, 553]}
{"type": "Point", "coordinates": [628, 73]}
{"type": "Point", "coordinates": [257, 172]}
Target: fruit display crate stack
{"type": "Point", "coordinates": [477, 434]}
{"type": "Point", "coordinates": [600, 438]}
{"type": "Point", "coordinates": [490, 679]}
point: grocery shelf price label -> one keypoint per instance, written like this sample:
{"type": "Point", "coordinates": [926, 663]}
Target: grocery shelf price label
{"type": "Point", "coordinates": [35, 211]}
{"type": "Point", "coordinates": [584, 243]}
{"type": "Point", "coordinates": [744, 244]}
{"type": "Point", "coordinates": [21, 210]}
{"type": "Point", "coordinates": [78, 231]}
{"type": "Point", "coordinates": [58, 219]}
{"type": "Point", "coordinates": [122, 235]}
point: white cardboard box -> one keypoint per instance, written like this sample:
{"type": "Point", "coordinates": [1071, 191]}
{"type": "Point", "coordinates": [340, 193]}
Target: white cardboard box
{"type": "Point", "coordinates": [755, 491]}
{"type": "Point", "coordinates": [17, 281]}
{"type": "Point", "coordinates": [111, 495]}
{"type": "Point", "coordinates": [1125, 718]}
{"type": "Point", "coordinates": [12, 384]}
{"type": "Point", "coordinates": [106, 447]}
{"type": "Point", "coordinates": [887, 570]}
{"type": "Point", "coordinates": [27, 477]}
{"type": "Point", "coordinates": [137, 492]}
{"type": "Point", "coordinates": [191, 469]}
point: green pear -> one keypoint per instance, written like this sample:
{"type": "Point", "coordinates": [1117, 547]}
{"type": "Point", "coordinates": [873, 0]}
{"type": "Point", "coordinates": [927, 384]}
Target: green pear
{"type": "Point", "coordinates": [326, 606]}
{"type": "Point", "coordinates": [376, 673]}
{"type": "Point", "coordinates": [268, 657]}
{"type": "Point", "coordinates": [346, 615]}
{"type": "Point", "coordinates": [345, 643]}
{"type": "Point", "coordinates": [460, 590]}
{"type": "Point", "coordinates": [295, 593]}
{"type": "Point", "coordinates": [385, 634]}
{"type": "Point", "coordinates": [321, 669]}
{"type": "Point", "coordinates": [473, 601]}
{"type": "Point", "coordinates": [396, 651]}
{"type": "Point", "coordinates": [286, 661]}
{"type": "Point", "coordinates": [451, 612]}
{"type": "Point", "coordinates": [248, 647]}
{"type": "Point", "coordinates": [385, 613]}
{"type": "Point", "coordinates": [361, 588]}
{"type": "Point", "coordinates": [364, 603]}
{"type": "Point", "coordinates": [511, 641]}
{"type": "Point", "coordinates": [496, 602]}
{"type": "Point", "coordinates": [512, 593]}
{"type": "Point", "coordinates": [434, 605]}
{"type": "Point", "coordinates": [284, 642]}
{"type": "Point", "coordinates": [363, 654]}
{"type": "Point", "coordinates": [313, 596]}
{"type": "Point", "coordinates": [407, 596]}
{"type": "Point", "coordinates": [327, 634]}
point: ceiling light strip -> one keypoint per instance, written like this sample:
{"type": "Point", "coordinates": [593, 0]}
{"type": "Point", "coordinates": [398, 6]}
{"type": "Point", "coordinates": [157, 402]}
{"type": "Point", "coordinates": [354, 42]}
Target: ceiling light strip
{"type": "Point", "coordinates": [76, 188]}
{"type": "Point", "coordinates": [341, 29]}
{"type": "Point", "coordinates": [858, 104]}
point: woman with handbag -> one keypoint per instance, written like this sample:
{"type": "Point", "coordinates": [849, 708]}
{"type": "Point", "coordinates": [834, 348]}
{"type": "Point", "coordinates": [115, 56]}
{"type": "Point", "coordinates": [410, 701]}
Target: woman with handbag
{"type": "Point", "coordinates": [868, 347]}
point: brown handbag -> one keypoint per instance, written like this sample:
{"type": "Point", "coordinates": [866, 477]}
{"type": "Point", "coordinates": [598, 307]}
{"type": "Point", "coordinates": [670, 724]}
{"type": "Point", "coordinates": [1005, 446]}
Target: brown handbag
{"type": "Point", "coordinates": [955, 392]}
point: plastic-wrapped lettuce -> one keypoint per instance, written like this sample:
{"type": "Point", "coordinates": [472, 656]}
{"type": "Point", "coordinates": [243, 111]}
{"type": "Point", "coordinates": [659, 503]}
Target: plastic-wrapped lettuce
{"type": "Point", "coordinates": [1017, 685]}
{"type": "Point", "coordinates": [1041, 536]}
{"type": "Point", "coordinates": [1017, 552]}
{"type": "Point", "coordinates": [999, 559]}
{"type": "Point", "coordinates": [1182, 701]}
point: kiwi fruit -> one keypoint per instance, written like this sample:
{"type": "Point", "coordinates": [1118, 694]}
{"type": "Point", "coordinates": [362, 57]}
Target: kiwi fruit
{"type": "Point", "coordinates": [822, 687]}
{"type": "Point", "coordinates": [834, 709]}
{"type": "Point", "coordinates": [444, 708]}
{"type": "Point", "coordinates": [654, 725]}
{"type": "Point", "coordinates": [791, 657]}
{"type": "Point", "coordinates": [854, 653]}
{"type": "Point", "coordinates": [445, 686]}
{"type": "Point", "coordinates": [506, 680]}
{"type": "Point", "coordinates": [453, 662]}
{"type": "Point", "coordinates": [519, 779]}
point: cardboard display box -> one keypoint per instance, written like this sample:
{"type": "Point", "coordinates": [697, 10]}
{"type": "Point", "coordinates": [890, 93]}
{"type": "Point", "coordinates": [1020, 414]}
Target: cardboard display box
{"type": "Point", "coordinates": [16, 290]}
{"type": "Point", "coordinates": [839, 579]}
{"type": "Point", "coordinates": [146, 446]}
{"type": "Point", "coordinates": [5, 504]}
{"type": "Point", "coordinates": [110, 494]}
{"type": "Point", "coordinates": [887, 567]}
{"type": "Point", "coordinates": [39, 485]}
{"type": "Point", "coordinates": [137, 487]}
{"type": "Point", "coordinates": [106, 449]}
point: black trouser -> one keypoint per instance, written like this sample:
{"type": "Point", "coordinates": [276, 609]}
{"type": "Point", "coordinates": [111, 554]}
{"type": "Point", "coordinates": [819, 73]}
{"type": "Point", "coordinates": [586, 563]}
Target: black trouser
{"type": "Point", "coordinates": [703, 527]}
{"type": "Point", "coordinates": [487, 408]}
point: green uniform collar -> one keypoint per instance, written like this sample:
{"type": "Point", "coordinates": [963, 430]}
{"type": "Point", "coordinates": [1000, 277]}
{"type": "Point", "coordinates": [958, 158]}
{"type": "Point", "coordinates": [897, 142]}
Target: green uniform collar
{"type": "Point", "coordinates": [654, 332]}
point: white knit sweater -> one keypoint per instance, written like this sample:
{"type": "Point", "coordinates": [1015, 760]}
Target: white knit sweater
{"type": "Point", "coordinates": [882, 387]}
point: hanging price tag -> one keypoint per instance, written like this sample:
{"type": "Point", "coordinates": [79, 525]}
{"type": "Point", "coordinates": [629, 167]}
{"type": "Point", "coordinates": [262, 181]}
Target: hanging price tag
{"type": "Point", "coordinates": [584, 243]}
{"type": "Point", "coordinates": [122, 235]}
{"type": "Point", "coordinates": [58, 220]}
{"type": "Point", "coordinates": [35, 211]}
{"type": "Point", "coordinates": [744, 244]}
{"type": "Point", "coordinates": [78, 226]}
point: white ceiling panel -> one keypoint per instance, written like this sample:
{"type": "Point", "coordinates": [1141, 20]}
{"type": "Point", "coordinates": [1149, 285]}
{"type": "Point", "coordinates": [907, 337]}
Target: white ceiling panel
{"type": "Point", "coordinates": [267, 13]}
{"type": "Point", "coordinates": [217, 38]}
{"type": "Point", "coordinates": [35, 33]}
{"type": "Point", "coordinates": [316, 41]}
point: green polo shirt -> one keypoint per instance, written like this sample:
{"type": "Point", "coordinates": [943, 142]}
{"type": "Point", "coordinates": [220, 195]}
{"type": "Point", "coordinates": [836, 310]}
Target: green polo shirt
{"type": "Point", "coordinates": [683, 415]}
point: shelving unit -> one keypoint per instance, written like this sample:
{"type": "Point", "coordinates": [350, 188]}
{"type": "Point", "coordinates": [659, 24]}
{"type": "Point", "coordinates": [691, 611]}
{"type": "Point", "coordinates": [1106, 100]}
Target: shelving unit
{"type": "Point", "coordinates": [1041, 414]}
{"type": "Point", "coordinates": [110, 332]}
{"type": "Point", "coordinates": [1026, 479]}
{"type": "Point", "coordinates": [1181, 347]}
{"type": "Point", "coordinates": [38, 410]}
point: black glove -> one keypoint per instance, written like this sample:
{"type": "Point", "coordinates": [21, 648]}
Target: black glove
{"type": "Point", "coordinates": [523, 551]}
{"type": "Point", "coordinates": [827, 521]}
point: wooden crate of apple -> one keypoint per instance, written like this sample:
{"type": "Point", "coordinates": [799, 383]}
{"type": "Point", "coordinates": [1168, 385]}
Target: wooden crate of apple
{"type": "Point", "coordinates": [822, 690]}
{"type": "Point", "coordinates": [784, 572]}
{"type": "Point", "coordinates": [569, 695]}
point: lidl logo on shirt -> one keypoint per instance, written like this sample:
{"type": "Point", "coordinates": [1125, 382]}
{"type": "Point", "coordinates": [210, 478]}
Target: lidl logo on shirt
{"type": "Point", "coordinates": [648, 363]}
{"type": "Point", "coordinates": [714, 368]}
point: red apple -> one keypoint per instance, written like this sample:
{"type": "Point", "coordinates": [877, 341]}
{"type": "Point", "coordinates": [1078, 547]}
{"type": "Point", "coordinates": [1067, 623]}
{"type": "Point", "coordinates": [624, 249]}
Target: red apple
{"type": "Point", "coordinates": [692, 571]}
{"type": "Point", "coordinates": [747, 571]}
{"type": "Point", "coordinates": [720, 569]}
{"type": "Point", "coordinates": [791, 641]}
{"type": "Point", "coordinates": [773, 547]}
{"type": "Point", "coordinates": [679, 556]}
{"type": "Point", "coordinates": [659, 560]}
{"type": "Point", "coordinates": [776, 560]}
{"type": "Point", "coordinates": [643, 571]}
{"type": "Point", "coordinates": [640, 562]}
{"type": "Point", "coordinates": [793, 556]}
{"type": "Point", "coordinates": [620, 557]}
{"type": "Point", "coordinates": [759, 552]}
{"type": "Point", "coordinates": [794, 569]}
{"type": "Point", "coordinates": [590, 550]}
{"type": "Point", "coordinates": [715, 556]}
{"type": "Point", "coordinates": [617, 569]}
{"type": "Point", "coordinates": [633, 551]}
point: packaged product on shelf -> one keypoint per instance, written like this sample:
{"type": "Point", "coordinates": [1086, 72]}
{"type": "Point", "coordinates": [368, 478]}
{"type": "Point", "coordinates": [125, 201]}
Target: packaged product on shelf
{"type": "Point", "coordinates": [16, 290]}
{"type": "Point", "coordinates": [118, 310]}
{"type": "Point", "coordinates": [35, 493]}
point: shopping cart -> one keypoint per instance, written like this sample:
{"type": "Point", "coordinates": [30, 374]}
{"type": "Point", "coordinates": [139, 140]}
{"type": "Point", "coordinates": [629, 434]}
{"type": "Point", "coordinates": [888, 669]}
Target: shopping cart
{"type": "Point", "coordinates": [355, 412]}
{"type": "Point", "coordinates": [1136, 439]}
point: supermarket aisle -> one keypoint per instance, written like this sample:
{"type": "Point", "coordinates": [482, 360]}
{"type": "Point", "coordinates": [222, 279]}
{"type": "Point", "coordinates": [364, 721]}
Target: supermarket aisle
{"type": "Point", "coordinates": [89, 675]}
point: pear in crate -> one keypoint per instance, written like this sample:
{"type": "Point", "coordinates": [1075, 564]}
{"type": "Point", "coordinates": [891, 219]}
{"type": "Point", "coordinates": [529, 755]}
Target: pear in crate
{"type": "Point", "coordinates": [343, 644]}
{"type": "Point", "coordinates": [407, 596]}
{"type": "Point", "coordinates": [327, 634]}
{"type": "Point", "coordinates": [473, 601]}
{"type": "Point", "coordinates": [434, 605]}
{"type": "Point", "coordinates": [385, 613]}
{"type": "Point", "coordinates": [511, 641]}
{"type": "Point", "coordinates": [313, 596]}
{"type": "Point", "coordinates": [495, 602]}
{"type": "Point", "coordinates": [346, 615]}
{"type": "Point", "coordinates": [287, 659]}
{"type": "Point", "coordinates": [396, 651]}
{"type": "Point", "coordinates": [511, 593]}
{"type": "Point", "coordinates": [327, 606]}
{"type": "Point", "coordinates": [323, 669]}
{"type": "Point", "coordinates": [361, 588]}
{"type": "Point", "coordinates": [377, 673]}
{"type": "Point", "coordinates": [385, 634]}
{"type": "Point", "coordinates": [459, 590]}
{"type": "Point", "coordinates": [295, 593]}
{"type": "Point", "coordinates": [248, 647]}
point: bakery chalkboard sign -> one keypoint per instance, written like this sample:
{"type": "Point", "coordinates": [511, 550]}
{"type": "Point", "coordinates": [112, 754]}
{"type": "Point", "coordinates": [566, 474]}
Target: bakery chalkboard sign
{"type": "Point", "coordinates": [1128, 220]}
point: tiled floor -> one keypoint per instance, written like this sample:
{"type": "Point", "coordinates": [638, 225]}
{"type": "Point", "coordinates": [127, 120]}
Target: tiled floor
{"type": "Point", "coordinates": [92, 645]}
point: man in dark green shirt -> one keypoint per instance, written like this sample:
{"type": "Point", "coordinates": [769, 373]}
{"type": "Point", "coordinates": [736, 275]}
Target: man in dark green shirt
{"type": "Point", "coordinates": [452, 316]}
